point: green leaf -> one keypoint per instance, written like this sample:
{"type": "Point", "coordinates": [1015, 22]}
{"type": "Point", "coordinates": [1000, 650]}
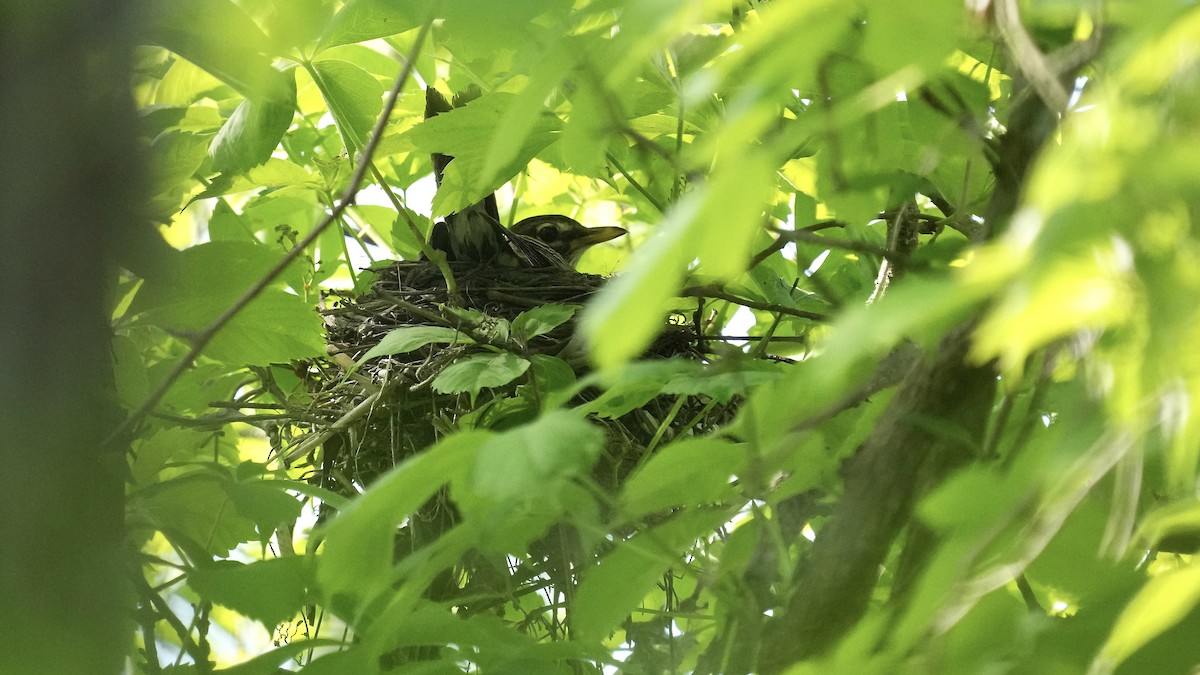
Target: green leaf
{"type": "Point", "coordinates": [359, 545]}
{"type": "Point", "coordinates": [226, 225]}
{"type": "Point", "coordinates": [294, 25]}
{"type": "Point", "coordinates": [551, 374]}
{"type": "Point", "coordinates": [524, 122]}
{"type": "Point", "coordinates": [541, 320]}
{"type": "Point", "coordinates": [920, 310]}
{"type": "Point", "coordinates": [354, 98]}
{"type": "Point", "coordinates": [690, 472]}
{"type": "Point", "coordinates": [266, 503]}
{"type": "Point", "coordinates": [254, 130]}
{"type": "Point", "coordinates": [129, 372]}
{"type": "Point", "coordinates": [431, 624]}
{"type": "Point", "coordinates": [520, 483]}
{"type": "Point", "coordinates": [155, 451]}
{"type": "Point", "coordinates": [361, 20]}
{"type": "Point", "coordinates": [1163, 602]}
{"type": "Point", "coordinates": [723, 228]}
{"type": "Point", "coordinates": [466, 134]}
{"type": "Point", "coordinates": [407, 338]}
{"type": "Point", "coordinates": [175, 156]}
{"type": "Point", "coordinates": [1175, 527]}
{"type": "Point", "coordinates": [930, 33]}
{"type": "Point", "coordinates": [327, 497]}
{"type": "Point", "coordinates": [283, 174]}
{"type": "Point", "coordinates": [634, 385]}
{"type": "Point", "coordinates": [621, 320]}
{"type": "Point", "coordinates": [1056, 298]}
{"type": "Point", "coordinates": [723, 381]}
{"type": "Point", "coordinates": [268, 591]}
{"type": "Point", "coordinates": [276, 326]}
{"type": "Point", "coordinates": [587, 134]}
{"type": "Point", "coordinates": [480, 371]}
{"type": "Point", "coordinates": [518, 464]}
{"type": "Point", "coordinates": [354, 658]}
{"type": "Point", "coordinates": [223, 268]}
{"type": "Point", "coordinates": [612, 589]}
{"type": "Point", "coordinates": [183, 85]}
{"type": "Point", "coordinates": [220, 38]}
{"type": "Point", "coordinates": [270, 662]}
{"type": "Point", "coordinates": [198, 507]}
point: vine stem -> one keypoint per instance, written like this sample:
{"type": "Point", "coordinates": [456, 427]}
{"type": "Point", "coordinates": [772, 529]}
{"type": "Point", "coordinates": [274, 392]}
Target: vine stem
{"type": "Point", "coordinates": [201, 339]}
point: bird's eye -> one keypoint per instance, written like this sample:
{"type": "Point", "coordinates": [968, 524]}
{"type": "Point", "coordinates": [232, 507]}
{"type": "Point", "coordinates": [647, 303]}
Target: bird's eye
{"type": "Point", "coordinates": [548, 233]}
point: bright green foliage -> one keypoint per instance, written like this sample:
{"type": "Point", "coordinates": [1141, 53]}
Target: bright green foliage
{"type": "Point", "coordinates": [984, 461]}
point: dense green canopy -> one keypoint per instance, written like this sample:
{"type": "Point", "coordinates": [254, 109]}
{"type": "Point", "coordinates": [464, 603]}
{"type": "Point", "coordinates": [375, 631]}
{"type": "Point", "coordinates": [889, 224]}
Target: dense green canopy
{"type": "Point", "coordinates": [939, 262]}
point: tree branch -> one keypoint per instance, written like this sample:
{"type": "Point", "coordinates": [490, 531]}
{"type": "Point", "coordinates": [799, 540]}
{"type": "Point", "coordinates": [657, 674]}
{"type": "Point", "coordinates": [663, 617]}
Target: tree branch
{"type": "Point", "coordinates": [901, 459]}
{"type": "Point", "coordinates": [201, 339]}
{"type": "Point", "coordinates": [714, 291]}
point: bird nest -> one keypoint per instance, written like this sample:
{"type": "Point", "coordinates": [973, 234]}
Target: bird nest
{"type": "Point", "coordinates": [372, 414]}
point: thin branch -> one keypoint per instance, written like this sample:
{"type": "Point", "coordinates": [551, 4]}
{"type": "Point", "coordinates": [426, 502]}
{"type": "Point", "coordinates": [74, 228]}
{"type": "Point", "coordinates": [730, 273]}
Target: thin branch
{"type": "Point", "coordinates": [780, 242]}
{"type": "Point", "coordinates": [830, 242]}
{"type": "Point", "coordinates": [756, 338]}
{"type": "Point", "coordinates": [636, 185]}
{"type": "Point", "coordinates": [1029, 58]}
{"type": "Point", "coordinates": [316, 438]}
{"type": "Point", "coordinates": [205, 336]}
{"type": "Point", "coordinates": [155, 603]}
{"type": "Point", "coordinates": [438, 258]}
{"type": "Point", "coordinates": [441, 320]}
{"type": "Point", "coordinates": [213, 421]}
{"type": "Point", "coordinates": [713, 291]}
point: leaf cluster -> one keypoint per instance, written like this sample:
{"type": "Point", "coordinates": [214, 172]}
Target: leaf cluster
{"type": "Point", "coordinates": [934, 269]}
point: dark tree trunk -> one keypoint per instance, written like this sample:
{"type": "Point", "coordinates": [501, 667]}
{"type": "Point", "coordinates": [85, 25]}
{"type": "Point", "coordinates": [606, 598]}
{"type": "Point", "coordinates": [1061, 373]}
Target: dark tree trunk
{"type": "Point", "coordinates": [69, 182]}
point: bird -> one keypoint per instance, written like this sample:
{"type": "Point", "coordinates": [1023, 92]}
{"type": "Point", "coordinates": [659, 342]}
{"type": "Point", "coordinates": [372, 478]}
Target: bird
{"type": "Point", "coordinates": [475, 234]}
{"type": "Point", "coordinates": [564, 235]}
{"type": "Point", "coordinates": [549, 240]}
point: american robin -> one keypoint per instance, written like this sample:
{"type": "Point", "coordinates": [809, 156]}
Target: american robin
{"type": "Point", "coordinates": [564, 235]}
{"type": "Point", "coordinates": [475, 234]}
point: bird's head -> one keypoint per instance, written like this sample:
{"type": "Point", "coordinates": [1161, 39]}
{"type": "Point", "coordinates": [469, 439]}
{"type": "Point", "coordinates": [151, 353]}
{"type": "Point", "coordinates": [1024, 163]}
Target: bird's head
{"type": "Point", "coordinates": [565, 235]}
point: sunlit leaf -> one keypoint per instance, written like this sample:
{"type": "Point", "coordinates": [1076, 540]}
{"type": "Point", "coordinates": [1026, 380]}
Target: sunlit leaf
{"type": "Point", "coordinates": [685, 473]}
{"type": "Point", "coordinates": [197, 507]}
{"type": "Point", "coordinates": [1163, 602]}
{"type": "Point", "coordinates": [478, 372]}
{"type": "Point", "coordinates": [268, 591]}
{"type": "Point", "coordinates": [296, 24]}
{"type": "Point", "coordinates": [274, 326]}
{"type": "Point", "coordinates": [1065, 295]}
{"type": "Point", "coordinates": [466, 134]}
{"type": "Point", "coordinates": [541, 320]}
{"type": "Point", "coordinates": [612, 589]}
{"type": "Point", "coordinates": [551, 374]}
{"type": "Point", "coordinates": [407, 338]}
{"type": "Point", "coordinates": [359, 544]}
{"type": "Point", "coordinates": [252, 132]}
{"type": "Point", "coordinates": [220, 38]}
{"type": "Point", "coordinates": [270, 662]}
{"type": "Point", "coordinates": [354, 98]}
{"type": "Point", "coordinates": [1175, 527]}
{"type": "Point", "coordinates": [175, 157]}
{"type": "Point", "coordinates": [361, 20]}
{"type": "Point", "coordinates": [517, 464]}
{"type": "Point", "coordinates": [625, 315]}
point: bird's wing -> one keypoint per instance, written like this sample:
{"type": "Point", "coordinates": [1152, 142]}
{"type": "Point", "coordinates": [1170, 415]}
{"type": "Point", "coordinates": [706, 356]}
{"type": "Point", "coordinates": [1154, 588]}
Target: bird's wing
{"type": "Point", "coordinates": [474, 233]}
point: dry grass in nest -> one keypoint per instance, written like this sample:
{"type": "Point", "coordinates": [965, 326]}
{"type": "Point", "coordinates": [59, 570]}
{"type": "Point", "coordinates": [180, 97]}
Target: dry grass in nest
{"type": "Point", "coordinates": [370, 418]}
{"type": "Point", "coordinates": [387, 409]}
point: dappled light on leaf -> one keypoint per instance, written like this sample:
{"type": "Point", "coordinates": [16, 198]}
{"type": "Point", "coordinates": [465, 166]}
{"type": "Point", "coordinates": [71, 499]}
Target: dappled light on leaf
{"type": "Point", "coordinates": [880, 357]}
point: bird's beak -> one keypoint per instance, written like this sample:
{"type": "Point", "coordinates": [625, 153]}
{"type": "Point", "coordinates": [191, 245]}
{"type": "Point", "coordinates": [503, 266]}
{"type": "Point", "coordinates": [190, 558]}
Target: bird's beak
{"type": "Point", "coordinates": [595, 235]}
